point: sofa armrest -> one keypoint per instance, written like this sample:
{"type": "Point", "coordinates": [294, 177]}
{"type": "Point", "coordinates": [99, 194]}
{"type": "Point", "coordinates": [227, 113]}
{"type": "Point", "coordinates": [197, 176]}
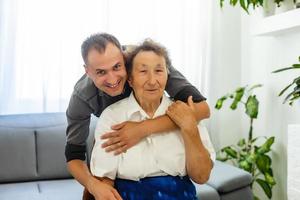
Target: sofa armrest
{"type": "Point", "coordinates": [226, 178]}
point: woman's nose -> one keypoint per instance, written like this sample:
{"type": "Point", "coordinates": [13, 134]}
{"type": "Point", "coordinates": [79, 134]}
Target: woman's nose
{"type": "Point", "coordinates": [151, 79]}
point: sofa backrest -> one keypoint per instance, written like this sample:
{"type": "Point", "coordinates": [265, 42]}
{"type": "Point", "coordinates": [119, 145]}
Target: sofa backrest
{"type": "Point", "coordinates": [32, 147]}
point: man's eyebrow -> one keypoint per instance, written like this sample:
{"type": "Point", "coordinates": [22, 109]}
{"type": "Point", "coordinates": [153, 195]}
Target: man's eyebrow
{"type": "Point", "coordinates": [97, 70]}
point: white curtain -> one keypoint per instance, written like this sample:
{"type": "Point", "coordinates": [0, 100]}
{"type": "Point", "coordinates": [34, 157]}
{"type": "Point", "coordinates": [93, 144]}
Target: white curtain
{"type": "Point", "coordinates": [40, 40]}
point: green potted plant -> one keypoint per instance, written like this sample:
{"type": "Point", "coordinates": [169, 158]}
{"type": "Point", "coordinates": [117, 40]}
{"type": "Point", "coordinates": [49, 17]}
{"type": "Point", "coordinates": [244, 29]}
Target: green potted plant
{"type": "Point", "coordinates": [295, 93]}
{"type": "Point", "coordinates": [245, 4]}
{"type": "Point", "coordinates": [266, 4]}
{"type": "Point", "coordinates": [250, 154]}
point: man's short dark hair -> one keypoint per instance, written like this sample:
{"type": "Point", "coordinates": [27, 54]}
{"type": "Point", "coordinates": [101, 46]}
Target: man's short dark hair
{"type": "Point", "coordinates": [147, 45]}
{"type": "Point", "coordinates": [99, 42]}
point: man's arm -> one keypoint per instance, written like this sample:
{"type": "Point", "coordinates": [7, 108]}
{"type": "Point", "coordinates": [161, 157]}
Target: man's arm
{"type": "Point", "coordinates": [78, 117]}
{"type": "Point", "coordinates": [201, 111]}
{"type": "Point", "coordinates": [130, 133]}
{"type": "Point", "coordinates": [101, 189]}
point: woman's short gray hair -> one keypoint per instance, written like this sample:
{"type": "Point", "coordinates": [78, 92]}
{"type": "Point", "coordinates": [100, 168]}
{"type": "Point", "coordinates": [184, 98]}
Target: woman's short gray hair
{"type": "Point", "coordinates": [147, 45]}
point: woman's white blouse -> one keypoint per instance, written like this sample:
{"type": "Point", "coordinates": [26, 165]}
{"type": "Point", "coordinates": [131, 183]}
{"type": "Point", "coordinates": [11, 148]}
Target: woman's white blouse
{"type": "Point", "coordinates": [156, 155]}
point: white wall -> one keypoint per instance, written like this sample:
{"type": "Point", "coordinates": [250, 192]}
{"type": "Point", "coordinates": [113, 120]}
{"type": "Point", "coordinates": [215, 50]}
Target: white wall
{"type": "Point", "coordinates": [260, 56]}
{"type": "Point", "coordinates": [240, 58]}
{"type": "Point", "coordinates": [224, 73]}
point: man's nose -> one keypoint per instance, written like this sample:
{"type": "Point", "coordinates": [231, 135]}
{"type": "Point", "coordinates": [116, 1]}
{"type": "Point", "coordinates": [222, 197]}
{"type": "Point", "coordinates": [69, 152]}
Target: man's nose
{"type": "Point", "coordinates": [111, 78]}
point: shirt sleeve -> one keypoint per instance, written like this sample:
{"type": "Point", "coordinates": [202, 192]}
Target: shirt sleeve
{"type": "Point", "coordinates": [180, 89]}
{"type": "Point", "coordinates": [207, 142]}
{"type": "Point", "coordinates": [103, 164]}
{"type": "Point", "coordinates": [78, 118]}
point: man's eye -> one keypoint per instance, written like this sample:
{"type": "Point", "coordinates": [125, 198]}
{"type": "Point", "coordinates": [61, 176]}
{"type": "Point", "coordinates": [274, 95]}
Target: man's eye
{"type": "Point", "coordinates": [143, 71]}
{"type": "Point", "coordinates": [101, 72]}
{"type": "Point", "coordinates": [159, 70]}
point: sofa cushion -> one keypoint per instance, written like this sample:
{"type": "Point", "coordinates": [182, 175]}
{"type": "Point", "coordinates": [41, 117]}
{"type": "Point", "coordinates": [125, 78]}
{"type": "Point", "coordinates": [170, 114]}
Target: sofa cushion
{"type": "Point", "coordinates": [24, 191]}
{"type": "Point", "coordinates": [245, 193]}
{"type": "Point", "coordinates": [226, 178]}
{"type": "Point", "coordinates": [206, 192]}
{"type": "Point", "coordinates": [37, 120]}
{"type": "Point", "coordinates": [17, 154]}
{"type": "Point", "coordinates": [67, 189]}
{"type": "Point", "coordinates": [51, 162]}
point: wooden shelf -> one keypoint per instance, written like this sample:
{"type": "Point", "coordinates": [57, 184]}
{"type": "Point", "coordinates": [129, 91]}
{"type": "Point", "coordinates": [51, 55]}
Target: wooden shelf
{"type": "Point", "coordinates": [282, 23]}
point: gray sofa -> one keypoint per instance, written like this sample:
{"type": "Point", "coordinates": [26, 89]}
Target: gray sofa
{"type": "Point", "coordinates": [32, 163]}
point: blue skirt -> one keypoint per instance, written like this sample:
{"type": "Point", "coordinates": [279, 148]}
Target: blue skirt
{"type": "Point", "coordinates": [157, 188]}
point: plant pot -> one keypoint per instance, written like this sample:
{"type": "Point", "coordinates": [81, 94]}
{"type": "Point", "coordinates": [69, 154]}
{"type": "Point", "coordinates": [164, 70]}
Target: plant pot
{"type": "Point", "coordinates": [285, 6]}
{"type": "Point", "coordinates": [269, 8]}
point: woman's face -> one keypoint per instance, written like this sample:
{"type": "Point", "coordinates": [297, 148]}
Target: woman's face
{"type": "Point", "coordinates": [149, 76]}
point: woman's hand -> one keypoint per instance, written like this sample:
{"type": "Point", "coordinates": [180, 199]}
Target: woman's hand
{"type": "Point", "coordinates": [183, 114]}
{"type": "Point", "coordinates": [126, 135]}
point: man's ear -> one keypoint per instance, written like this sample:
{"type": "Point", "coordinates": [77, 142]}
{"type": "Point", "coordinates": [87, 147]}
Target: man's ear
{"type": "Point", "coordinates": [86, 70]}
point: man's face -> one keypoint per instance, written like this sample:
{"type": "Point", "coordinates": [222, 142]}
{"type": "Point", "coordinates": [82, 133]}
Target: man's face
{"type": "Point", "coordinates": [149, 77]}
{"type": "Point", "coordinates": [107, 69]}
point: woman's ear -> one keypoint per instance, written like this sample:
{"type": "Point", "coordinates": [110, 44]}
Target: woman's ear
{"type": "Point", "coordinates": [130, 81]}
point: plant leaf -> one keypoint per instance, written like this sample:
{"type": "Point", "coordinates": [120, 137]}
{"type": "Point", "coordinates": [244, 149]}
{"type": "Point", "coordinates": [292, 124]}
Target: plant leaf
{"type": "Point", "coordinates": [233, 2]}
{"type": "Point", "coordinates": [241, 142]}
{"type": "Point", "coordinates": [245, 166]}
{"type": "Point", "coordinates": [221, 156]}
{"type": "Point", "coordinates": [270, 180]}
{"type": "Point", "coordinates": [252, 106]}
{"type": "Point", "coordinates": [290, 94]}
{"type": "Point", "coordinates": [256, 198]}
{"type": "Point", "coordinates": [287, 87]}
{"type": "Point", "coordinates": [220, 101]}
{"type": "Point", "coordinates": [243, 5]}
{"type": "Point", "coordinates": [255, 86]}
{"type": "Point", "coordinates": [266, 147]}
{"type": "Point", "coordinates": [230, 152]}
{"type": "Point", "coordinates": [222, 159]}
{"type": "Point", "coordinates": [263, 163]}
{"type": "Point", "coordinates": [265, 186]}
{"type": "Point", "coordinates": [282, 69]}
{"type": "Point", "coordinates": [251, 158]}
{"type": "Point", "coordinates": [221, 3]}
{"type": "Point", "coordinates": [237, 98]}
{"type": "Point", "coordinates": [254, 139]}
{"type": "Point", "coordinates": [296, 66]}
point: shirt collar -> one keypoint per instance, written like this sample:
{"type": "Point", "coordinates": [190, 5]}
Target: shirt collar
{"type": "Point", "coordinates": [134, 107]}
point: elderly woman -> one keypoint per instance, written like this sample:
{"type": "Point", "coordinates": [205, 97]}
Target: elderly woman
{"type": "Point", "coordinates": [161, 165]}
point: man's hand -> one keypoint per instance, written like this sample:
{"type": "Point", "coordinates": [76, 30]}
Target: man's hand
{"type": "Point", "coordinates": [183, 114]}
{"type": "Point", "coordinates": [103, 191]}
{"type": "Point", "coordinates": [126, 135]}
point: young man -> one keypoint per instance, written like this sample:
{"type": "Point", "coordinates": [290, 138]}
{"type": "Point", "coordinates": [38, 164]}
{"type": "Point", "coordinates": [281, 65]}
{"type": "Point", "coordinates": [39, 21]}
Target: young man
{"type": "Point", "coordinates": [104, 83]}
